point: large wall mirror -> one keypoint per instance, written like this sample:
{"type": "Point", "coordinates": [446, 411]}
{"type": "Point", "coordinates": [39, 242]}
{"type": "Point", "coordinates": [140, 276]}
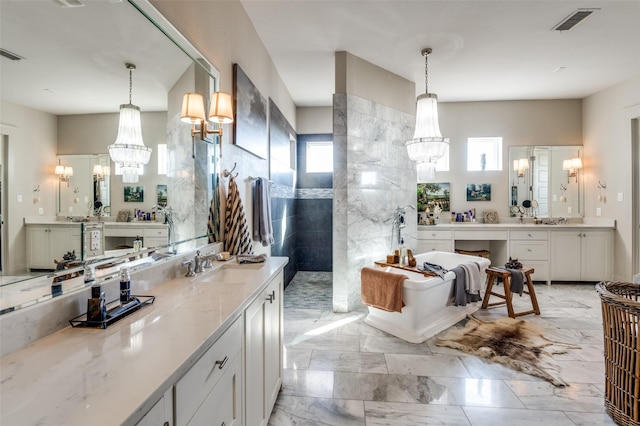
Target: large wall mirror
{"type": "Point", "coordinates": [78, 56]}
{"type": "Point", "coordinates": [546, 181]}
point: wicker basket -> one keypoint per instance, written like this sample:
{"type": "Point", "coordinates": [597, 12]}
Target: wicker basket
{"type": "Point", "coordinates": [620, 321]}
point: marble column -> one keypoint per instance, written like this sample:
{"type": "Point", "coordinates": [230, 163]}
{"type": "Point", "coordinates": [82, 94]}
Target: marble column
{"type": "Point", "coordinates": [372, 177]}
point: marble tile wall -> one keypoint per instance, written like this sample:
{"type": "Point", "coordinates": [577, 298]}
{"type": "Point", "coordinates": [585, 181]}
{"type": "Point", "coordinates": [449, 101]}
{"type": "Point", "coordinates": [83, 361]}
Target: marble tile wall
{"type": "Point", "coordinates": [372, 177]}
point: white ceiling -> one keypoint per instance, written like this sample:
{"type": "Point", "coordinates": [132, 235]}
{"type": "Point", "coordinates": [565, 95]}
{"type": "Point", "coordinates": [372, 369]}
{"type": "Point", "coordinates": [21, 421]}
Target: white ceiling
{"type": "Point", "coordinates": [483, 50]}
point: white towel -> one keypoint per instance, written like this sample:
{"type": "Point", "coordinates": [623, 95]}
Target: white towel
{"type": "Point", "coordinates": [262, 229]}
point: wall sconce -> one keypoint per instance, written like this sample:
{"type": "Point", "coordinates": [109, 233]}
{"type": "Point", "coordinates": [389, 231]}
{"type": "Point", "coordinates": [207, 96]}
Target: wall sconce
{"type": "Point", "coordinates": [100, 171]}
{"type": "Point", "coordinates": [64, 173]}
{"type": "Point", "coordinates": [520, 166]}
{"type": "Point", "coordinates": [220, 112]}
{"type": "Point", "coordinates": [572, 165]}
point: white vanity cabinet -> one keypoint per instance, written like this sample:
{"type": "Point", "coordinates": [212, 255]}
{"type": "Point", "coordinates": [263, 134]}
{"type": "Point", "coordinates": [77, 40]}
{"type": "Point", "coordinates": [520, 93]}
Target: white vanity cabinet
{"type": "Point", "coordinates": [154, 237]}
{"type": "Point", "coordinates": [581, 255]}
{"type": "Point", "coordinates": [531, 248]}
{"type": "Point", "coordinates": [161, 414]}
{"type": "Point", "coordinates": [263, 353]}
{"type": "Point", "coordinates": [433, 240]}
{"type": "Point", "coordinates": [211, 391]}
{"type": "Point", "coordinates": [47, 242]}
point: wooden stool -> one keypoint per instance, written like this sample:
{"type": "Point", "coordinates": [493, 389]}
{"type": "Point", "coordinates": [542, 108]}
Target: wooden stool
{"type": "Point", "coordinates": [492, 274]}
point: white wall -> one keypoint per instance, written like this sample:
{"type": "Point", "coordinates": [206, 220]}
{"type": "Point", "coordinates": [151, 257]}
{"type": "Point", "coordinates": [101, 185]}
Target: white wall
{"type": "Point", "coordinates": [314, 120]}
{"type": "Point", "coordinates": [607, 119]}
{"type": "Point", "coordinates": [548, 122]}
{"type": "Point", "coordinates": [31, 136]}
{"type": "Point", "coordinates": [223, 33]}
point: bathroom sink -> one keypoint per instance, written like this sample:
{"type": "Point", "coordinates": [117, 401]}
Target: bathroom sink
{"type": "Point", "coordinates": [231, 273]}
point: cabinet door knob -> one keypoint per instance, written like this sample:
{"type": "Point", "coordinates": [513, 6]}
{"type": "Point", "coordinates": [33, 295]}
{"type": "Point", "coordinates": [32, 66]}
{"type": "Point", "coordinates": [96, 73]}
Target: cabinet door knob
{"type": "Point", "coordinates": [221, 364]}
{"type": "Point", "coordinates": [529, 235]}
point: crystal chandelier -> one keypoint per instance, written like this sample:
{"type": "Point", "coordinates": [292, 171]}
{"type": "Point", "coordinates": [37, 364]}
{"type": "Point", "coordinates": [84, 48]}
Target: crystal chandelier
{"type": "Point", "coordinates": [427, 145]}
{"type": "Point", "coordinates": [129, 151]}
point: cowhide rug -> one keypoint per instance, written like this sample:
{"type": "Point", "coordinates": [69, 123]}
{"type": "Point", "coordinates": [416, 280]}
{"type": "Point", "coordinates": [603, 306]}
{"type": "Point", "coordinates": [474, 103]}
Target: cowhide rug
{"type": "Point", "coordinates": [515, 343]}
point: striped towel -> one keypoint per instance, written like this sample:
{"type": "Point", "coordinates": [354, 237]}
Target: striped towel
{"type": "Point", "coordinates": [237, 238]}
{"type": "Point", "coordinates": [213, 224]}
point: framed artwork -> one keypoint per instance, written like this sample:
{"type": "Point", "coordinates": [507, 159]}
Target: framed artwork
{"type": "Point", "coordinates": [250, 124]}
{"type": "Point", "coordinates": [478, 192]}
{"type": "Point", "coordinates": [162, 195]}
{"type": "Point", "coordinates": [431, 195]}
{"type": "Point", "coordinates": [133, 194]}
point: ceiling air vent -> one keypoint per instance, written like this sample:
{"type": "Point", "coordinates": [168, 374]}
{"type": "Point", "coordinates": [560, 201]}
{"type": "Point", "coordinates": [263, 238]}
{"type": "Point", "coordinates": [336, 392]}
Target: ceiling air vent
{"type": "Point", "coordinates": [10, 55]}
{"type": "Point", "coordinates": [573, 19]}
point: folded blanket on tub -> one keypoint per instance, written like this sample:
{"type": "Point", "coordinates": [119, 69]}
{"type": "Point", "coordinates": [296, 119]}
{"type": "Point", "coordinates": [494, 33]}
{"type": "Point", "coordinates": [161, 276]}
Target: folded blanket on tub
{"type": "Point", "coordinates": [468, 283]}
{"type": "Point", "coordinates": [381, 289]}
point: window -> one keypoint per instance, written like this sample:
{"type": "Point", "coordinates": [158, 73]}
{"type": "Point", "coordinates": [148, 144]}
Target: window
{"type": "Point", "coordinates": [319, 157]}
{"type": "Point", "coordinates": [162, 158]}
{"type": "Point", "coordinates": [484, 154]}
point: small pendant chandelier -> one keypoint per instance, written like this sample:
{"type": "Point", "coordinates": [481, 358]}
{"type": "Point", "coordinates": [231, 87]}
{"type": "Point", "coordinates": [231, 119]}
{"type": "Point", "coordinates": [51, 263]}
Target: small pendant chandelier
{"type": "Point", "coordinates": [129, 151]}
{"type": "Point", "coordinates": [427, 145]}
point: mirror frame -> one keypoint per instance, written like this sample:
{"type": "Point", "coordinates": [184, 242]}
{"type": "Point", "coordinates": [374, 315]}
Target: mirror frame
{"type": "Point", "coordinates": [567, 202]}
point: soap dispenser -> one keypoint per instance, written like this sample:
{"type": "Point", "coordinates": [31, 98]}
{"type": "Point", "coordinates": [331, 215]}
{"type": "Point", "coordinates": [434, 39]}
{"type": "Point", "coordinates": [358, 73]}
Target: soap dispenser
{"type": "Point", "coordinates": [403, 253]}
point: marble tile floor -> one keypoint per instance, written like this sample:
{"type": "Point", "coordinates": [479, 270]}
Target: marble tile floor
{"type": "Point", "coordinates": [340, 371]}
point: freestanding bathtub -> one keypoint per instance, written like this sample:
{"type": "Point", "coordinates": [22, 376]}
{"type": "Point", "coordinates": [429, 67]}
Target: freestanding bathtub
{"type": "Point", "coordinates": [429, 307]}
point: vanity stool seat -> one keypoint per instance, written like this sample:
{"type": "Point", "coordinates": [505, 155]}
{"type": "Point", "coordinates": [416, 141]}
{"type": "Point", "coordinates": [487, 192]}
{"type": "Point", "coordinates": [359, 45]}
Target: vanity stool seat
{"type": "Point", "coordinates": [493, 274]}
{"type": "Point", "coordinates": [481, 253]}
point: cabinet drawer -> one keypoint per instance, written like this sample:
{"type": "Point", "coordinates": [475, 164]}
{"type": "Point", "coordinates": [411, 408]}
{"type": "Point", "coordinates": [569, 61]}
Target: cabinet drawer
{"type": "Point", "coordinates": [480, 235]}
{"type": "Point", "coordinates": [529, 250]}
{"type": "Point", "coordinates": [222, 406]}
{"type": "Point", "coordinates": [435, 245]}
{"type": "Point", "coordinates": [156, 232]}
{"type": "Point", "coordinates": [110, 231]}
{"type": "Point", "coordinates": [529, 235]}
{"type": "Point", "coordinates": [196, 384]}
{"type": "Point", "coordinates": [434, 235]}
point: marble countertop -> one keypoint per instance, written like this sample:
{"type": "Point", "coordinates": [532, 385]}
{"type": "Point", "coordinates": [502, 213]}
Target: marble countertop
{"type": "Point", "coordinates": [46, 220]}
{"type": "Point", "coordinates": [595, 224]}
{"type": "Point", "coordinates": [114, 376]}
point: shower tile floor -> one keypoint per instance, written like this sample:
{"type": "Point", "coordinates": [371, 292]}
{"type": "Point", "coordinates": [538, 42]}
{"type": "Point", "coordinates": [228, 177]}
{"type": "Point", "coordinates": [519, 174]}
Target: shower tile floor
{"type": "Point", "coordinates": [340, 371]}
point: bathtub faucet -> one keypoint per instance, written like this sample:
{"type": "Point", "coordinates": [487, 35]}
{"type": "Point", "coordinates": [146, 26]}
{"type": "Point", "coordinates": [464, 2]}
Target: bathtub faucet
{"type": "Point", "coordinates": [399, 222]}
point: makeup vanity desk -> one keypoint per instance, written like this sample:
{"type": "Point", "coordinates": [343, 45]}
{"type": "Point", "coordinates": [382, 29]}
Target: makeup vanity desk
{"type": "Point", "coordinates": [568, 252]}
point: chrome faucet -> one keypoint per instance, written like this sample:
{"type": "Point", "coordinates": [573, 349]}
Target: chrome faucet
{"type": "Point", "coordinates": [203, 261]}
{"type": "Point", "coordinates": [190, 270]}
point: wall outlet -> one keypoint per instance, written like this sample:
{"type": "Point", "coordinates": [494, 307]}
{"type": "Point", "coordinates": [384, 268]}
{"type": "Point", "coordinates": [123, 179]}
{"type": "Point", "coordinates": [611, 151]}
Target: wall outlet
{"type": "Point", "coordinates": [555, 197]}
{"type": "Point", "coordinates": [620, 196]}
{"type": "Point", "coordinates": [569, 210]}
{"type": "Point", "coordinates": [19, 198]}
{"type": "Point", "coordinates": [86, 199]}
{"type": "Point", "coordinates": [598, 211]}
{"type": "Point", "coordinates": [41, 211]}
{"type": "Point", "coordinates": [70, 209]}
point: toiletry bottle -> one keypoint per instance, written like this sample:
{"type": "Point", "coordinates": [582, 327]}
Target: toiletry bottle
{"type": "Point", "coordinates": [137, 244]}
{"type": "Point", "coordinates": [403, 253]}
{"type": "Point", "coordinates": [89, 274]}
{"type": "Point", "coordinates": [96, 305]}
{"type": "Point", "coordinates": [125, 285]}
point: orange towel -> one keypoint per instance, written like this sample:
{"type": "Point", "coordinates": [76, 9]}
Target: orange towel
{"type": "Point", "coordinates": [381, 289]}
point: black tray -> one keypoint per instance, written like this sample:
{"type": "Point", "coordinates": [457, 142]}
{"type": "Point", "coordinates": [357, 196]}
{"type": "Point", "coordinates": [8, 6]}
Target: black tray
{"type": "Point", "coordinates": [81, 321]}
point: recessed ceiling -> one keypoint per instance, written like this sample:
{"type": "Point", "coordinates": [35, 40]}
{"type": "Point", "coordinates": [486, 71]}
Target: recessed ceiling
{"type": "Point", "coordinates": [482, 50]}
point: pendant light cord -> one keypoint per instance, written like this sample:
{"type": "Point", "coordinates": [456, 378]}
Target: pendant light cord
{"type": "Point", "coordinates": [130, 67]}
{"type": "Point", "coordinates": [425, 53]}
